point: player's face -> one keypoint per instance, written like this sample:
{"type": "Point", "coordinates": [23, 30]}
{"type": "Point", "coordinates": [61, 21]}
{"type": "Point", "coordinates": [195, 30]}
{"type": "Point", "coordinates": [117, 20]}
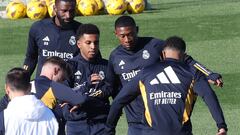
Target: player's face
{"type": "Point", "coordinates": [65, 12]}
{"type": "Point", "coordinates": [127, 36]}
{"type": "Point", "coordinates": [89, 45]}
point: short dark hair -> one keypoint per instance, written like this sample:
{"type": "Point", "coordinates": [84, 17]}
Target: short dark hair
{"type": "Point", "coordinates": [87, 29]}
{"type": "Point", "coordinates": [176, 43]}
{"type": "Point", "coordinates": [125, 21]}
{"type": "Point", "coordinates": [18, 79]}
{"type": "Point", "coordinates": [60, 63]}
{"type": "Point", "coordinates": [71, 1]}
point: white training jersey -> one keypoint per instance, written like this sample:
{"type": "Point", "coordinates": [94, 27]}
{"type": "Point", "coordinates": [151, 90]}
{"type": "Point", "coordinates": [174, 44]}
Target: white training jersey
{"type": "Point", "coordinates": [27, 115]}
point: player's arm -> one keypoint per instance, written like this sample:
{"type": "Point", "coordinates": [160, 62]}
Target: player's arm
{"type": "Point", "coordinates": [111, 82]}
{"type": "Point", "coordinates": [128, 93]}
{"type": "Point", "coordinates": [31, 57]}
{"type": "Point", "coordinates": [62, 93]}
{"type": "Point", "coordinates": [2, 125]}
{"type": "Point", "coordinates": [4, 102]}
{"type": "Point", "coordinates": [203, 89]}
{"type": "Point", "coordinates": [212, 77]}
{"type": "Point", "coordinates": [71, 68]}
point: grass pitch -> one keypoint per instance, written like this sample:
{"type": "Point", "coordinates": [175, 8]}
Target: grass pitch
{"type": "Point", "coordinates": [212, 32]}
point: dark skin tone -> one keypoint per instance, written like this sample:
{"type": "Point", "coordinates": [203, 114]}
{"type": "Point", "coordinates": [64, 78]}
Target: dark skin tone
{"type": "Point", "coordinates": [89, 47]}
{"type": "Point", "coordinates": [65, 13]}
{"type": "Point", "coordinates": [127, 36]}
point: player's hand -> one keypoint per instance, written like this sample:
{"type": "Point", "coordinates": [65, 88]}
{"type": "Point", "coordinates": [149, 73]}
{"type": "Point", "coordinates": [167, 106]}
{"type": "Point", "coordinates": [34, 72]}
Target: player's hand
{"type": "Point", "coordinates": [95, 78]}
{"type": "Point", "coordinates": [216, 79]}
{"type": "Point", "coordinates": [222, 131]}
{"type": "Point", "coordinates": [74, 108]}
{"type": "Point", "coordinates": [63, 104]}
{"type": "Point", "coordinates": [218, 82]}
{"type": "Point", "coordinates": [109, 130]}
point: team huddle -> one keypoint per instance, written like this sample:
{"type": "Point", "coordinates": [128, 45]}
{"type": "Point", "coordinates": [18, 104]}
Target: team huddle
{"type": "Point", "coordinates": [154, 80]}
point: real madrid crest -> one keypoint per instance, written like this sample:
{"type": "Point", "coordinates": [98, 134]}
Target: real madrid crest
{"type": "Point", "coordinates": [145, 54]}
{"type": "Point", "coordinates": [101, 74]}
{"type": "Point", "coordinates": [72, 40]}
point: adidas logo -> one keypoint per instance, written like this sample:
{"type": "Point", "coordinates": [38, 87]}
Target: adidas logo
{"type": "Point", "coordinates": [121, 63]}
{"type": "Point", "coordinates": [78, 73]}
{"type": "Point", "coordinates": [166, 77]}
{"type": "Point", "coordinates": [46, 39]}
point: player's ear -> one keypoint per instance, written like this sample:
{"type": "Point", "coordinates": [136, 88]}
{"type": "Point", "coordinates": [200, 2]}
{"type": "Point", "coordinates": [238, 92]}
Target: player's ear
{"type": "Point", "coordinates": [79, 43]}
{"type": "Point", "coordinates": [56, 69]}
{"type": "Point", "coordinates": [6, 89]}
{"type": "Point", "coordinates": [137, 29]}
{"type": "Point", "coordinates": [115, 32]}
{"type": "Point", "coordinates": [163, 55]}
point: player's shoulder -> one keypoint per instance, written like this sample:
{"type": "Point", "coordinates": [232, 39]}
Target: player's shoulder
{"type": "Point", "coordinates": [181, 68]}
{"type": "Point", "coordinates": [75, 24]}
{"type": "Point", "coordinates": [75, 58]}
{"type": "Point", "coordinates": [74, 61]}
{"type": "Point", "coordinates": [153, 67]}
{"type": "Point", "coordinates": [39, 25]}
{"type": "Point", "coordinates": [151, 43]}
{"type": "Point", "coordinates": [104, 61]}
{"type": "Point", "coordinates": [45, 21]}
{"type": "Point", "coordinates": [156, 42]}
{"type": "Point", "coordinates": [150, 40]}
{"type": "Point", "coordinates": [117, 54]}
{"type": "Point", "coordinates": [41, 82]}
{"type": "Point", "coordinates": [116, 51]}
{"type": "Point", "coordinates": [169, 63]}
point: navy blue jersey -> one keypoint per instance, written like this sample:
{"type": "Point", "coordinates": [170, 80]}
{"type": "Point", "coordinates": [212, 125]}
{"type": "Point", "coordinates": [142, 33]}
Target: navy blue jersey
{"type": "Point", "coordinates": [4, 102]}
{"type": "Point", "coordinates": [169, 90]}
{"type": "Point", "coordinates": [46, 39]}
{"type": "Point", "coordinates": [125, 65]}
{"type": "Point", "coordinates": [2, 126]}
{"type": "Point", "coordinates": [59, 92]}
{"type": "Point", "coordinates": [51, 92]}
{"type": "Point", "coordinates": [96, 108]}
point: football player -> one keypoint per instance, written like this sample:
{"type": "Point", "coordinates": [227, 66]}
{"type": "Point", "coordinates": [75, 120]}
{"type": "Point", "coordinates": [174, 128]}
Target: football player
{"type": "Point", "coordinates": [169, 90]}
{"type": "Point", "coordinates": [89, 70]}
{"type": "Point", "coordinates": [129, 58]}
{"type": "Point", "coordinates": [52, 37]}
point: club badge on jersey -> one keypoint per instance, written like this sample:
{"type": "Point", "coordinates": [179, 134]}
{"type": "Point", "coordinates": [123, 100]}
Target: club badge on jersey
{"type": "Point", "coordinates": [146, 54]}
{"type": "Point", "coordinates": [72, 40]}
{"type": "Point", "coordinates": [101, 74]}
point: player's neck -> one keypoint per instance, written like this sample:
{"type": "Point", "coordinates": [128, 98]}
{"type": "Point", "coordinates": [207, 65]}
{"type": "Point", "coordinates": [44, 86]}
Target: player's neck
{"type": "Point", "coordinates": [56, 21]}
{"type": "Point", "coordinates": [171, 54]}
